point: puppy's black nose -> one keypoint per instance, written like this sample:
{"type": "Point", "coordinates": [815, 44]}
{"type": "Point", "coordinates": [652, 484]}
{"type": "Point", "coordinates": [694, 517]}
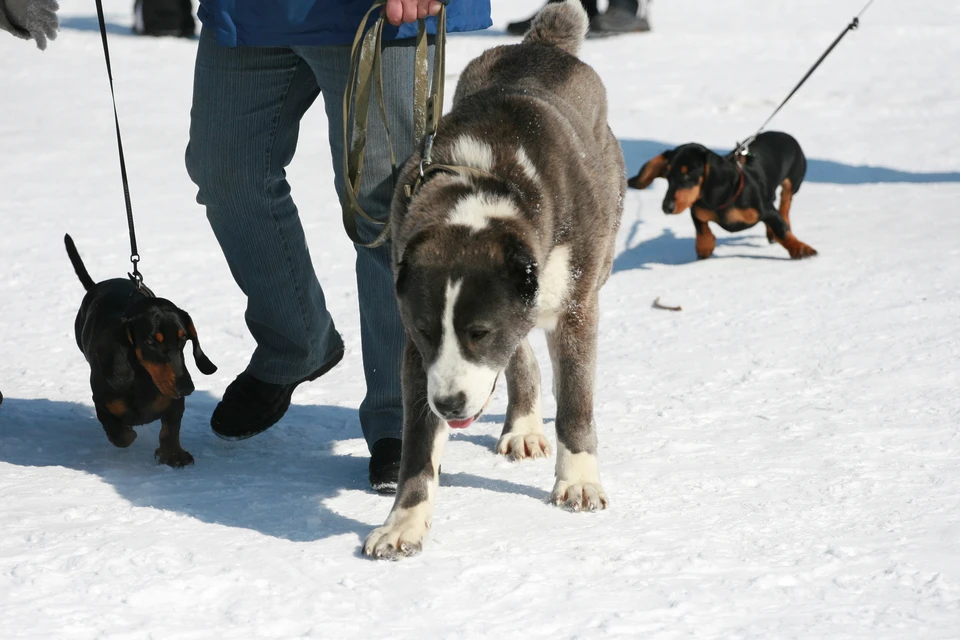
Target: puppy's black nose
{"type": "Point", "coordinates": [668, 206]}
{"type": "Point", "coordinates": [451, 407]}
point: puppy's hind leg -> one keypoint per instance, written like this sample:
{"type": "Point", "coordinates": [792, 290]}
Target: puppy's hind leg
{"type": "Point", "coordinates": [786, 199]}
{"type": "Point", "coordinates": [785, 237]}
{"type": "Point", "coordinates": [574, 349]}
{"type": "Point", "coordinates": [523, 435]}
{"type": "Point", "coordinates": [424, 436]}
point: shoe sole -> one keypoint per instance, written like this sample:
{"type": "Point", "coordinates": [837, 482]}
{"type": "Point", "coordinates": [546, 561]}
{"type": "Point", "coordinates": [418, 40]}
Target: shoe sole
{"type": "Point", "coordinates": [286, 405]}
{"type": "Point", "coordinates": [384, 488]}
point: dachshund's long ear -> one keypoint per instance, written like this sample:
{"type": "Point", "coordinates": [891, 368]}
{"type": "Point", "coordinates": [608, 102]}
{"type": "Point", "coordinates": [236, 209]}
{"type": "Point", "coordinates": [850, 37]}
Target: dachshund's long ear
{"type": "Point", "coordinates": [654, 168]}
{"type": "Point", "coordinates": [203, 362]}
{"type": "Point", "coordinates": [113, 358]}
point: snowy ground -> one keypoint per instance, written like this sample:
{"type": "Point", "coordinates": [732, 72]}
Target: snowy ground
{"type": "Point", "coordinates": [781, 456]}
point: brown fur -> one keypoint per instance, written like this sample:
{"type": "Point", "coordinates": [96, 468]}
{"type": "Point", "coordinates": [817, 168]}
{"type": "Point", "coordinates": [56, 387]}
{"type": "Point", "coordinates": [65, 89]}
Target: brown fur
{"type": "Point", "coordinates": [654, 168]}
{"type": "Point", "coordinates": [706, 243]}
{"type": "Point", "coordinates": [160, 403]}
{"type": "Point", "coordinates": [162, 375]}
{"type": "Point", "coordinates": [117, 407]}
{"type": "Point", "coordinates": [704, 215]}
{"type": "Point", "coordinates": [796, 248]}
{"type": "Point", "coordinates": [746, 215]}
{"type": "Point", "coordinates": [686, 197]}
{"type": "Point", "coordinates": [786, 199]}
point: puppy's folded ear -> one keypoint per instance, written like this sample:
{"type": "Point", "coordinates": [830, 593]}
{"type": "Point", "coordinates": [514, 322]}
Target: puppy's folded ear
{"type": "Point", "coordinates": [400, 283]}
{"type": "Point", "coordinates": [654, 168]}
{"type": "Point", "coordinates": [203, 362]}
{"type": "Point", "coordinates": [113, 358]}
{"type": "Point", "coordinates": [523, 269]}
{"type": "Point", "coordinates": [403, 266]}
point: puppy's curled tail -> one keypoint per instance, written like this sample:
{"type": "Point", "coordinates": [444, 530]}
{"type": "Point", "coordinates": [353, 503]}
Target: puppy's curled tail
{"type": "Point", "coordinates": [561, 24]}
{"type": "Point", "coordinates": [81, 270]}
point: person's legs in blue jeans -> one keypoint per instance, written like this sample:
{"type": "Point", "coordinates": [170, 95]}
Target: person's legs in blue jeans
{"type": "Point", "coordinates": [248, 103]}
{"type": "Point", "coordinates": [245, 120]}
{"type": "Point", "coordinates": [382, 333]}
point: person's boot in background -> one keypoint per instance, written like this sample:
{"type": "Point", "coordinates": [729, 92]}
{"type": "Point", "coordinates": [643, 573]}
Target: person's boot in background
{"type": "Point", "coordinates": [164, 18]}
{"type": "Point", "coordinates": [621, 16]}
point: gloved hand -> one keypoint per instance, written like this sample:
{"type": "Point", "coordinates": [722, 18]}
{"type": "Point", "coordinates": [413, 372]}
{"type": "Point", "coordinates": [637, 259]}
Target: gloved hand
{"type": "Point", "coordinates": [36, 19]}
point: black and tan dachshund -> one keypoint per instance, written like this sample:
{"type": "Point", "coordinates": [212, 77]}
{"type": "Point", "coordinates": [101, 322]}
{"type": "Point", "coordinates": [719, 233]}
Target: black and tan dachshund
{"type": "Point", "coordinates": [134, 343]}
{"type": "Point", "coordinates": [734, 194]}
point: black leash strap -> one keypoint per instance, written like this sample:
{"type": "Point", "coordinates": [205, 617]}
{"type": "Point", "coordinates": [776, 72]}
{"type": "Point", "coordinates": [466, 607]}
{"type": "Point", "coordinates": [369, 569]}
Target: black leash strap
{"type": "Point", "coordinates": [854, 24]}
{"type": "Point", "coordinates": [134, 256]}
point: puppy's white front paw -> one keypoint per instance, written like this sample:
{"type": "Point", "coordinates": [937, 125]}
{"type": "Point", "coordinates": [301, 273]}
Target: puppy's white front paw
{"type": "Point", "coordinates": [519, 446]}
{"type": "Point", "coordinates": [523, 436]}
{"type": "Point", "coordinates": [578, 481]}
{"type": "Point", "coordinates": [401, 535]}
{"type": "Point", "coordinates": [588, 496]}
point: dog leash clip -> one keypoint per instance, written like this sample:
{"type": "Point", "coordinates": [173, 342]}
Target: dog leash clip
{"type": "Point", "coordinates": [427, 150]}
{"type": "Point", "coordinates": [136, 276]}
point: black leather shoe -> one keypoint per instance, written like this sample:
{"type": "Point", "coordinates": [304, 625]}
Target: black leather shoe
{"type": "Point", "coordinates": [251, 406]}
{"type": "Point", "coordinates": [385, 465]}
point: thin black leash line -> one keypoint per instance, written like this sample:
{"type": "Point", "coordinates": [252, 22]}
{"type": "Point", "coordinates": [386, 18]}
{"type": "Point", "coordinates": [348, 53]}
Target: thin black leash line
{"type": "Point", "coordinates": [134, 255]}
{"type": "Point", "coordinates": [854, 24]}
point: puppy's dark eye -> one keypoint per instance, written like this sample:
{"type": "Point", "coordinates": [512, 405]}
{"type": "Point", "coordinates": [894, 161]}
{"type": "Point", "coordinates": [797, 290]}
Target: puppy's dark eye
{"type": "Point", "coordinates": [477, 335]}
{"type": "Point", "coordinates": [151, 340]}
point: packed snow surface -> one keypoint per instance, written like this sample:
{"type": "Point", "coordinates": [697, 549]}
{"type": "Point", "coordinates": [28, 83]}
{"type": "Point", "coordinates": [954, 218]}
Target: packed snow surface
{"type": "Point", "coordinates": [782, 456]}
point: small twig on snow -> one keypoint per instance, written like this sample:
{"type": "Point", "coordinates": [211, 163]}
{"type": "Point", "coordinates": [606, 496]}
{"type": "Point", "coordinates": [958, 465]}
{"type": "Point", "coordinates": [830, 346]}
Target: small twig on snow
{"type": "Point", "coordinates": [657, 305]}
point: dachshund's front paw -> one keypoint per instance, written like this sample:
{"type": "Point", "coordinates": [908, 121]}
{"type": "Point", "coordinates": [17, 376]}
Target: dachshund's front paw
{"type": "Point", "coordinates": [705, 246]}
{"type": "Point", "coordinates": [801, 250]}
{"type": "Point", "coordinates": [176, 458]}
{"type": "Point", "coordinates": [122, 438]}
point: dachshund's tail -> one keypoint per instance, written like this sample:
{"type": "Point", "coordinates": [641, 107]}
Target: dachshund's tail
{"type": "Point", "coordinates": [81, 270]}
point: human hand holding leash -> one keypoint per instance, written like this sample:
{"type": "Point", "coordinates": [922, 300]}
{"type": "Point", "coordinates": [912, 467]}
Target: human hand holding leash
{"type": "Point", "coordinates": [31, 19]}
{"type": "Point", "coordinates": [401, 11]}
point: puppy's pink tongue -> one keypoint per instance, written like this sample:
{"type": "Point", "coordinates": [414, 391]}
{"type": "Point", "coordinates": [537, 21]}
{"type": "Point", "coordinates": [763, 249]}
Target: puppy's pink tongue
{"type": "Point", "coordinates": [460, 424]}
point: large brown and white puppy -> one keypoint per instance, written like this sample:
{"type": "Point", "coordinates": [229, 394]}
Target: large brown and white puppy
{"type": "Point", "coordinates": [518, 232]}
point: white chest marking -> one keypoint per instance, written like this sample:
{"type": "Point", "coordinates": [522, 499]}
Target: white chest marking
{"type": "Point", "coordinates": [554, 287]}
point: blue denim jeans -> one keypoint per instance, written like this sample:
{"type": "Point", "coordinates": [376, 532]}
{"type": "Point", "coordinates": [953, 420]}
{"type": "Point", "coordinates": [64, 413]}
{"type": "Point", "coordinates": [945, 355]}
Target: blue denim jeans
{"type": "Point", "coordinates": [245, 122]}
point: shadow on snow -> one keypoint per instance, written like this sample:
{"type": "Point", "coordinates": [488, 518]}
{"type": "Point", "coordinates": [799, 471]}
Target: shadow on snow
{"type": "Point", "coordinates": [277, 483]}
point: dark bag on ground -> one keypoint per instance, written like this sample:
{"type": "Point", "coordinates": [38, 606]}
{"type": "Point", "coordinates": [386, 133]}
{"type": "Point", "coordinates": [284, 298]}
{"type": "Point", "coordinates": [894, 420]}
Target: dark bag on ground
{"type": "Point", "coordinates": [164, 18]}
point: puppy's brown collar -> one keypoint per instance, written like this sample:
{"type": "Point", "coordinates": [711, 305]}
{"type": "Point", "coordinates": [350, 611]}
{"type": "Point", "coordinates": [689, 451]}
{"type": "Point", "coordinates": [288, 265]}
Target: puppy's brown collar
{"type": "Point", "coordinates": [411, 190]}
{"type": "Point", "coordinates": [739, 189]}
